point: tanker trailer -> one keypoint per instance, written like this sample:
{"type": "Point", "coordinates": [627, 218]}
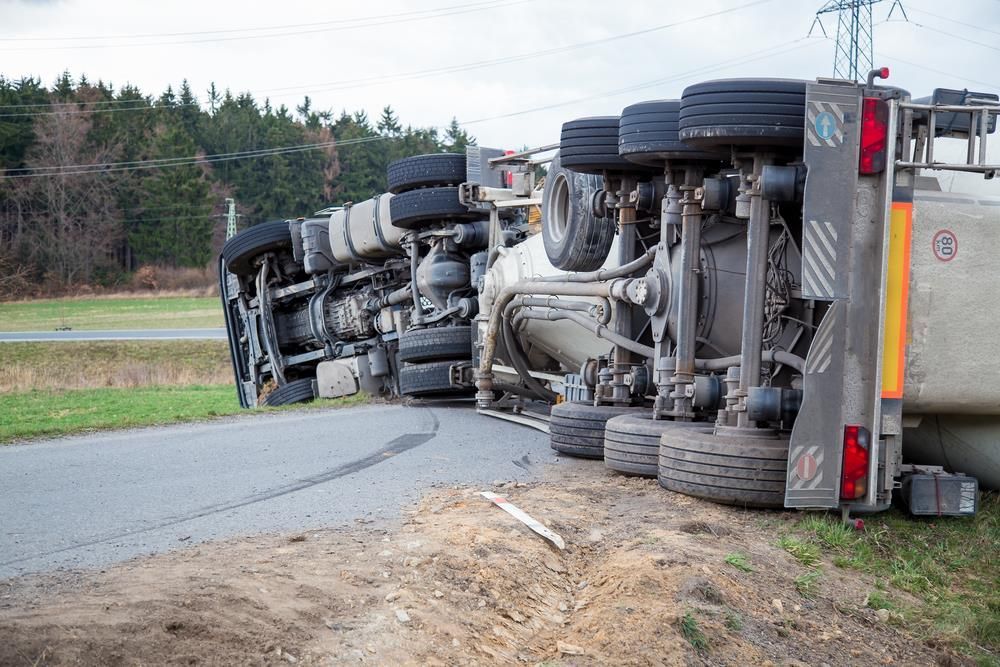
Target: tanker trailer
{"type": "Point", "coordinates": [847, 327]}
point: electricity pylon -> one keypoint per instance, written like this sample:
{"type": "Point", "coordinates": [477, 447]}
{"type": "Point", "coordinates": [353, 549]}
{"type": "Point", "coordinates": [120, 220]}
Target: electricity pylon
{"type": "Point", "coordinates": [852, 58]}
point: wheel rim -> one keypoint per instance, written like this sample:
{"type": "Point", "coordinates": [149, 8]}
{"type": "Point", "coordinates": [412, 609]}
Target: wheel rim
{"type": "Point", "coordinates": [558, 208]}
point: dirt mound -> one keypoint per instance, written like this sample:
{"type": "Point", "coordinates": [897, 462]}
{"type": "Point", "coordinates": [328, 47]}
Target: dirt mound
{"type": "Point", "coordinates": [644, 580]}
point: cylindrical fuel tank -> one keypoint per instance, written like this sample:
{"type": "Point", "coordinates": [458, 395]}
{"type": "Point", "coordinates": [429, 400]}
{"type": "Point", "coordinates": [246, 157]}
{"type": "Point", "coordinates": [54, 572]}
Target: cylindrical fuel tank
{"type": "Point", "coordinates": [363, 232]}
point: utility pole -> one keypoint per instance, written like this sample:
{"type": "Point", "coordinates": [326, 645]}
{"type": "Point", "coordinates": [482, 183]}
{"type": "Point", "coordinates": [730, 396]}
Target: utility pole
{"type": "Point", "coordinates": [852, 58]}
{"type": "Point", "coordinates": [231, 218]}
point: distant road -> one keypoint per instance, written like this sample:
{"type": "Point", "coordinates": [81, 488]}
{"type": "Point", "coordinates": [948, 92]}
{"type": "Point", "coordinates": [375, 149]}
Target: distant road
{"type": "Point", "coordinates": [122, 334]}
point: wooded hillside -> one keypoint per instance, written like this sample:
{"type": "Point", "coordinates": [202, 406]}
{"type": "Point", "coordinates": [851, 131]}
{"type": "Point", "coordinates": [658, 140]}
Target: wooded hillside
{"type": "Point", "coordinates": [96, 181]}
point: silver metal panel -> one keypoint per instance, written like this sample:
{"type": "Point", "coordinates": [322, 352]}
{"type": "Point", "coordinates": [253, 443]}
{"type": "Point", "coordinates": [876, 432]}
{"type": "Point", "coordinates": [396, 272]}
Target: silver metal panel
{"type": "Point", "coordinates": [813, 461]}
{"type": "Point", "coordinates": [477, 167]}
{"type": "Point", "coordinates": [831, 154]}
{"type": "Point", "coordinates": [842, 384]}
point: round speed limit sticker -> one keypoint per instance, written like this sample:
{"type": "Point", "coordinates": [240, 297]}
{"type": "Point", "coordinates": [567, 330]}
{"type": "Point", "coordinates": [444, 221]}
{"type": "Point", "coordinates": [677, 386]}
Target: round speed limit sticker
{"type": "Point", "coordinates": [945, 245]}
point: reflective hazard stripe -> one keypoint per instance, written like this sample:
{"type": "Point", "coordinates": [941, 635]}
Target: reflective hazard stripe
{"type": "Point", "coordinates": [897, 287]}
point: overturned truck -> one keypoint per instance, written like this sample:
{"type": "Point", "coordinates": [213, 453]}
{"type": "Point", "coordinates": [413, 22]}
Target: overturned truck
{"type": "Point", "coordinates": [751, 293]}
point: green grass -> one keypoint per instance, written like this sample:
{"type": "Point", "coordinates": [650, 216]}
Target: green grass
{"type": "Point", "coordinates": [111, 313]}
{"type": "Point", "coordinates": [692, 632]}
{"type": "Point", "coordinates": [739, 561]}
{"type": "Point", "coordinates": [939, 576]}
{"type": "Point", "coordinates": [36, 414]}
{"type": "Point", "coordinates": [806, 553]}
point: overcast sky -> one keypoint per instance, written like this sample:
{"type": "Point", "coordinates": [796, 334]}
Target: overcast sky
{"type": "Point", "coordinates": [391, 38]}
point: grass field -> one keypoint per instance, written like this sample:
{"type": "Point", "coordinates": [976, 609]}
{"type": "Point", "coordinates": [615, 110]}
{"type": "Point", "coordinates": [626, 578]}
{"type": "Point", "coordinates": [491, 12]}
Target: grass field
{"type": "Point", "coordinates": [111, 312]}
{"type": "Point", "coordinates": [94, 364]}
{"type": "Point", "coordinates": [34, 414]}
{"type": "Point", "coordinates": [939, 577]}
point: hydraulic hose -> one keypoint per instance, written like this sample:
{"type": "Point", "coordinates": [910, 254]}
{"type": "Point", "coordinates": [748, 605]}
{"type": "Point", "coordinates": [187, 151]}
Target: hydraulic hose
{"type": "Point", "coordinates": [519, 360]}
{"type": "Point", "coordinates": [590, 324]}
{"type": "Point", "coordinates": [568, 285]}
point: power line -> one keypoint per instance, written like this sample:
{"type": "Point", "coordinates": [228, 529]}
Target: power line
{"type": "Point", "coordinates": [225, 157]}
{"type": "Point", "coordinates": [493, 4]}
{"type": "Point", "coordinates": [951, 20]}
{"type": "Point", "coordinates": [954, 36]}
{"type": "Point", "coordinates": [891, 58]}
{"type": "Point", "coordinates": [450, 69]}
{"type": "Point", "coordinates": [236, 30]}
{"type": "Point", "coordinates": [750, 57]}
{"type": "Point", "coordinates": [108, 167]}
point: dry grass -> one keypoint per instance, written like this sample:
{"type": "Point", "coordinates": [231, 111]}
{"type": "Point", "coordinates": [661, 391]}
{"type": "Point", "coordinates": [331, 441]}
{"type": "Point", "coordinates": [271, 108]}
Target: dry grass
{"type": "Point", "coordinates": [126, 364]}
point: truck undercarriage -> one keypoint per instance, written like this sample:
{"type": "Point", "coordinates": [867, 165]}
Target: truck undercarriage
{"type": "Point", "coordinates": [749, 293]}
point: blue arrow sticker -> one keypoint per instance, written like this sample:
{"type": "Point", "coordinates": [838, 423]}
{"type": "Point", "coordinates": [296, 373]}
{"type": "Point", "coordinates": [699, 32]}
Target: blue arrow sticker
{"type": "Point", "coordinates": [825, 124]}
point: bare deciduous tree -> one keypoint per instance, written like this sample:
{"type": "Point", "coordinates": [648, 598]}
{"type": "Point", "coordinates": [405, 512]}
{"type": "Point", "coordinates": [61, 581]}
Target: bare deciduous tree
{"type": "Point", "coordinates": [68, 225]}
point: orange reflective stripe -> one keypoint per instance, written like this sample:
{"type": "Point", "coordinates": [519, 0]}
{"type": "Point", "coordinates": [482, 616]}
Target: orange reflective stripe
{"type": "Point", "coordinates": [897, 289]}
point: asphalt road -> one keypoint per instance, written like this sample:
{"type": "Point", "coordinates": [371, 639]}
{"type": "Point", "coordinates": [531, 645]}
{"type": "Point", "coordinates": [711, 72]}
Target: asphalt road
{"type": "Point", "coordinates": [91, 500]}
{"type": "Point", "coordinates": [123, 334]}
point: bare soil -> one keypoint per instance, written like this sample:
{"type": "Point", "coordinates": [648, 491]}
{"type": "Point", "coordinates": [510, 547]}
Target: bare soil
{"type": "Point", "coordinates": [642, 581]}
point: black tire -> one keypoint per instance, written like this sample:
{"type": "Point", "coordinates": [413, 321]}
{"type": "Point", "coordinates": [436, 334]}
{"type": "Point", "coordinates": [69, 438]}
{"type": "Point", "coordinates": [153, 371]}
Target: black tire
{"type": "Point", "coordinates": [239, 251]}
{"type": "Point", "coordinates": [422, 171]}
{"type": "Point", "coordinates": [577, 428]}
{"type": "Point", "coordinates": [632, 442]}
{"type": "Point", "coordinates": [439, 343]}
{"type": "Point", "coordinates": [430, 379]}
{"type": "Point", "coordinates": [743, 112]}
{"type": "Point", "coordinates": [749, 472]}
{"type": "Point", "coordinates": [296, 391]}
{"type": "Point", "coordinates": [647, 134]}
{"type": "Point", "coordinates": [417, 208]}
{"type": "Point", "coordinates": [590, 146]}
{"type": "Point", "coordinates": [575, 238]}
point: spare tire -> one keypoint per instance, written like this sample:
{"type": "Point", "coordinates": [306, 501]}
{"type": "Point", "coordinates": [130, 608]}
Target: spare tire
{"type": "Point", "coordinates": [590, 146]}
{"type": "Point", "coordinates": [743, 112]}
{"type": "Point", "coordinates": [296, 391]}
{"type": "Point", "coordinates": [647, 134]}
{"type": "Point", "coordinates": [417, 208]}
{"type": "Point", "coordinates": [423, 171]}
{"type": "Point", "coordinates": [577, 428]}
{"type": "Point", "coordinates": [438, 343]}
{"type": "Point", "coordinates": [744, 471]}
{"type": "Point", "coordinates": [575, 238]}
{"type": "Point", "coordinates": [239, 251]}
{"type": "Point", "coordinates": [430, 379]}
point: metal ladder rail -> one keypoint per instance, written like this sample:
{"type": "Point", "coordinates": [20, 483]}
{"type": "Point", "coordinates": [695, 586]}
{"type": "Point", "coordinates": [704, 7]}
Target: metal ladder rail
{"type": "Point", "coordinates": [979, 111]}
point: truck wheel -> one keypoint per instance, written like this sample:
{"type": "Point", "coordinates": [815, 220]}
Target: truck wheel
{"type": "Point", "coordinates": [416, 208]}
{"type": "Point", "coordinates": [296, 391]}
{"type": "Point", "coordinates": [577, 428]}
{"type": "Point", "coordinates": [590, 146]}
{"type": "Point", "coordinates": [632, 442]}
{"type": "Point", "coordinates": [424, 171]}
{"type": "Point", "coordinates": [430, 379]}
{"type": "Point", "coordinates": [239, 251]}
{"type": "Point", "coordinates": [743, 112]}
{"type": "Point", "coordinates": [438, 343]}
{"type": "Point", "coordinates": [647, 134]}
{"type": "Point", "coordinates": [575, 238]}
{"type": "Point", "coordinates": [749, 472]}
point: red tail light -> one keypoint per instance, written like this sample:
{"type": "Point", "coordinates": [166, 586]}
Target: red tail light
{"type": "Point", "coordinates": [854, 478]}
{"type": "Point", "coordinates": [509, 176]}
{"type": "Point", "coordinates": [874, 135]}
